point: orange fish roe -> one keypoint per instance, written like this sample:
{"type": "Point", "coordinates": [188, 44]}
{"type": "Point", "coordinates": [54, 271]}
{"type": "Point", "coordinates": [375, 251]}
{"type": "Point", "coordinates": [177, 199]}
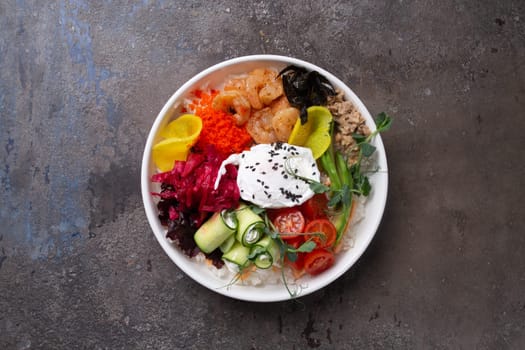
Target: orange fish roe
{"type": "Point", "coordinates": [218, 127]}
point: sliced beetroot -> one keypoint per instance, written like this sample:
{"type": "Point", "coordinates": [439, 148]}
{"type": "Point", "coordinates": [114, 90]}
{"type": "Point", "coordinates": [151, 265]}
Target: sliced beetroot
{"type": "Point", "coordinates": [180, 231]}
{"type": "Point", "coordinates": [216, 258]}
{"type": "Point", "coordinates": [187, 198]}
{"type": "Point", "coordinates": [188, 187]}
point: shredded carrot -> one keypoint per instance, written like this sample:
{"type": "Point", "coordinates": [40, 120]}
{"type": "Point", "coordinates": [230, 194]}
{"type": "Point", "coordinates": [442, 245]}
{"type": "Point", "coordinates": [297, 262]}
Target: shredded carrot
{"type": "Point", "coordinates": [246, 273]}
{"type": "Point", "coordinates": [218, 127]}
{"type": "Point", "coordinates": [338, 248]}
{"type": "Point", "coordinates": [298, 273]}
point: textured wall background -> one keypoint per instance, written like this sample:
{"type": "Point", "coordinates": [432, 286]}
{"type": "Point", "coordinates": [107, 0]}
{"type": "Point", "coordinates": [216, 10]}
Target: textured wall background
{"type": "Point", "coordinates": [80, 85]}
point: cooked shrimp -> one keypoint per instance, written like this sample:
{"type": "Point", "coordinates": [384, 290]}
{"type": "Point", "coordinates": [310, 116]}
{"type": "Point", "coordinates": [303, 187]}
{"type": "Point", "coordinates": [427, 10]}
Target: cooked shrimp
{"type": "Point", "coordinates": [262, 87]}
{"type": "Point", "coordinates": [255, 81]}
{"type": "Point", "coordinates": [279, 103]}
{"type": "Point", "coordinates": [235, 103]}
{"type": "Point", "coordinates": [284, 121]}
{"type": "Point", "coordinates": [235, 84]}
{"type": "Point", "coordinates": [270, 91]}
{"type": "Point", "coordinates": [260, 127]}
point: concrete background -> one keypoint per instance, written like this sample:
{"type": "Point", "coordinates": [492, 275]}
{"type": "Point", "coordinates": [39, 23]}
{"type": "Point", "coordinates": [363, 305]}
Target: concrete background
{"type": "Point", "coordinates": [80, 85]}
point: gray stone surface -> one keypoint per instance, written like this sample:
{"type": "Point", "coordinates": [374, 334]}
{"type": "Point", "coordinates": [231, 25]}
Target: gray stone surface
{"type": "Point", "coordinates": [80, 84]}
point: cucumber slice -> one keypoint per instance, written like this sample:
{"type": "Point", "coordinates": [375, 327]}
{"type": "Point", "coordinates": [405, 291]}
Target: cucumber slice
{"type": "Point", "coordinates": [266, 252]}
{"type": "Point", "coordinates": [213, 233]}
{"type": "Point", "coordinates": [251, 226]}
{"type": "Point", "coordinates": [252, 234]}
{"type": "Point", "coordinates": [227, 244]}
{"type": "Point", "coordinates": [263, 261]}
{"type": "Point", "coordinates": [238, 254]}
{"type": "Point", "coordinates": [230, 219]}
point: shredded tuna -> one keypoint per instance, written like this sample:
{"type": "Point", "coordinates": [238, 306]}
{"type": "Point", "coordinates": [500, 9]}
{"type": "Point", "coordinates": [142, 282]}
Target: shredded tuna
{"type": "Point", "coordinates": [348, 121]}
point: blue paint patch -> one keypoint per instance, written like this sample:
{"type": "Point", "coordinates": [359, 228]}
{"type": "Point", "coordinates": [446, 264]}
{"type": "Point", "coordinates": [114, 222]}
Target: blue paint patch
{"type": "Point", "coordinates": [78, 37]}
{"type": "Point", "coordinates": [61, 222]}
{"type": "Point", "coordinates": [46, 248]}
{"type": "Point", "coordinates": [113, 116]}
{"type": "Point", "coordinates": [28, 227]}
{"type": "Point", "coordinates": [8, 112]}
{"type": "Point", "coordinates": [146, 4]}
{"type": "Point", "coordinates": [5, 180]}
{"type": "Point", "coordinates": [65, 191]}
{"type": "Point", "coordinates": [20, 4]}
{"type": "Point", "coordinates": [46, 174]}
{"type": "Point", "coordinates": [183, 45]}
{"type": "Point", "coordinates": [60, 239]}
{"type": "Point", "coordinates": [138, 7]}
{"type": "Point", "coordinates": [9, 146]}
{"type": "Point", "coordinates": [104, 74]}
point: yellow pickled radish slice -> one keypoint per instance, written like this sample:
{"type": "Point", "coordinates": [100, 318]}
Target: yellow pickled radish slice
{"type": "Point", "coordinates": [180, 135]}
{"type": "Point", "coordinates": [315, 133]}
{"type": "Point", "coordinates": [300, 133]}
{"type": "Point", "coordinates": [166, 152]}
{"type": "Point", "coordinates": [185, 126]}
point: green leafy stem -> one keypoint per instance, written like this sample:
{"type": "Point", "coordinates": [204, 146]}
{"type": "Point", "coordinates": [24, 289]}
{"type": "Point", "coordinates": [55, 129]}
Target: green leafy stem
{"type": "Point", "coordinates": [346, 181]}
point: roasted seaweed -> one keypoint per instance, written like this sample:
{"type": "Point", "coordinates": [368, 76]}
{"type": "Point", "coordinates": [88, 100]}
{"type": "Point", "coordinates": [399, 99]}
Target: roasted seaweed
{"type": "Point", "coordinates": [305, 88]}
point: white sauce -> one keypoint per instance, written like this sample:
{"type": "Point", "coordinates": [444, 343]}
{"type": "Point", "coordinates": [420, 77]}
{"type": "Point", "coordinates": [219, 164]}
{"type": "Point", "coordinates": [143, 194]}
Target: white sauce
{"type": "Point", "coordinates": [264, 176]}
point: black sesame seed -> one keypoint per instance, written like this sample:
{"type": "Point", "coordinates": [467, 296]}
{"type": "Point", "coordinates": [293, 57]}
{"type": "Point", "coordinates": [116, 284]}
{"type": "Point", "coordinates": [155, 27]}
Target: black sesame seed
{"type": "Point", "coordinates": [289, 195]}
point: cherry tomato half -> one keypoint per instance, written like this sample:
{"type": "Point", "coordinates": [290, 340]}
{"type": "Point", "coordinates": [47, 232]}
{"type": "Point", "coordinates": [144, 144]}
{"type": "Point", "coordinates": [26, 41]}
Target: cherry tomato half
{"type": "Point", "coordinates": [315, 207]}
{"type": "Point", "coordinates": [318, 261]}
{"type": "Point", "coordinates": [287, 222]}
{"type": "Point", "coordinates": [327, 232]}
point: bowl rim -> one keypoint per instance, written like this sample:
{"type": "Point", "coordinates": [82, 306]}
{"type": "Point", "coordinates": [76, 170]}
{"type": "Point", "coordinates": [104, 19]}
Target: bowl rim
{"type": "Point", "coordinates": [257, 294]}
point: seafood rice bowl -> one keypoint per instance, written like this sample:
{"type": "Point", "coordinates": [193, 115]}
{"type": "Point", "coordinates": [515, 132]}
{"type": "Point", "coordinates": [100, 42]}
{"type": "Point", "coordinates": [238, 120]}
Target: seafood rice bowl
{"type": "Point", "coordinates": [264, 177]}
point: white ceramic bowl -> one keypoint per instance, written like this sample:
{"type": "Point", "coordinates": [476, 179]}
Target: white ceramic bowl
{"type": "Point", "coordinates": [365, 229]}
